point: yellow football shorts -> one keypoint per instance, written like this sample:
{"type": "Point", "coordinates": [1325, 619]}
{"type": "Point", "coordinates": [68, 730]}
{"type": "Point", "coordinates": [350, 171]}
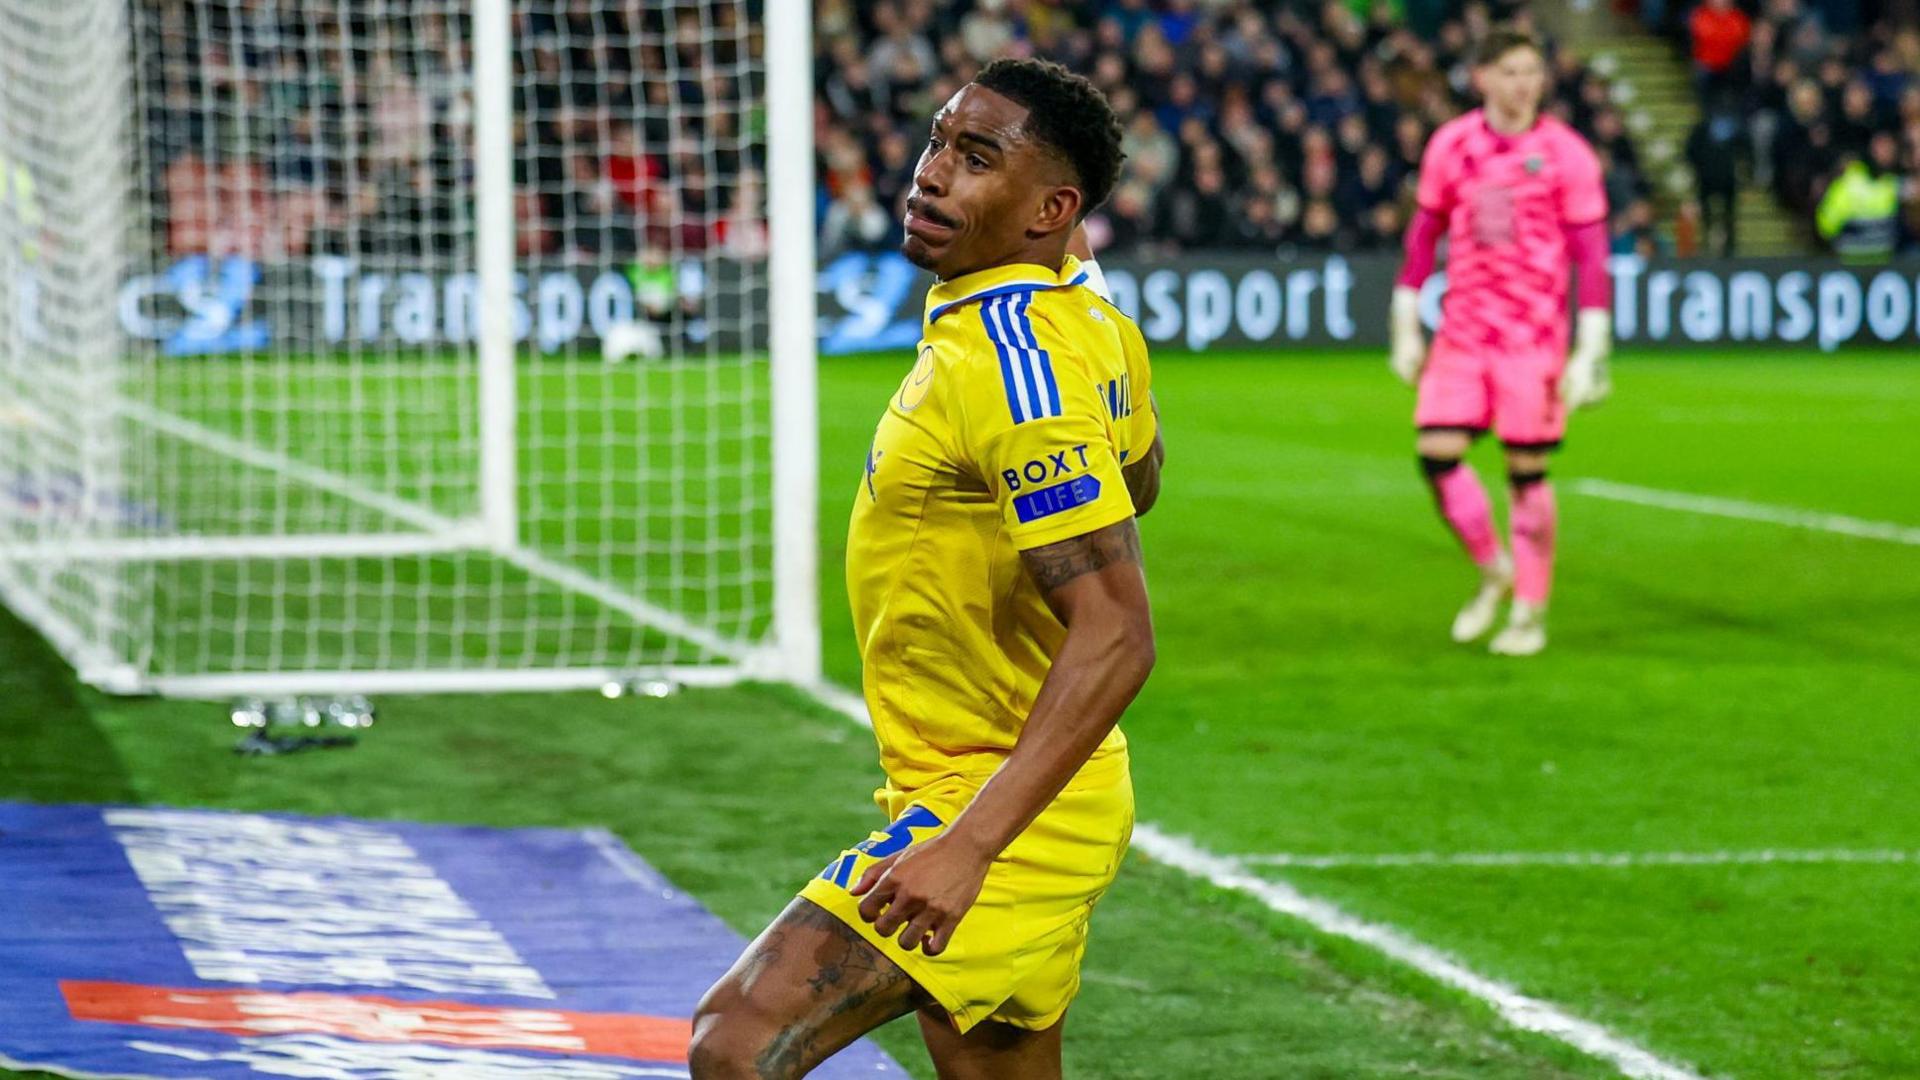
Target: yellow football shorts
{"type": "Point", "coordinates": [1016, 955]}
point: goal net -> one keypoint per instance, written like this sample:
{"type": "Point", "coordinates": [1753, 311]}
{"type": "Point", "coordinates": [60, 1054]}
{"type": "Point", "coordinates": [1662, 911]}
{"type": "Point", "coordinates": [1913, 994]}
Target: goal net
{"type": "Point", "coordinates": [413, 344]}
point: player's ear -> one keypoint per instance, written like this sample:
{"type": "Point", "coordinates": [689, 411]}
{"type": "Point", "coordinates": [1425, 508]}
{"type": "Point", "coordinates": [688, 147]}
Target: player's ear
{"type": "Point", "coordinates": [1059, 209]}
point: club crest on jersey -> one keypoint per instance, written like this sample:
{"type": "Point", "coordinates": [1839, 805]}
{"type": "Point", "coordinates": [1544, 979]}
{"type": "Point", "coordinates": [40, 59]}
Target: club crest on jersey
{"type": "Point", "coordinates": [1534, 164]}
{"type": "Point", "coordinates": [913, 389]}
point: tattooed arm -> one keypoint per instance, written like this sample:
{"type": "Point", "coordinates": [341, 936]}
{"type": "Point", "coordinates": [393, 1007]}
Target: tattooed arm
{"type": "Point", "coordinates": [1143, 476]}
{"type": "Point", "coordinates": [1095, 584]}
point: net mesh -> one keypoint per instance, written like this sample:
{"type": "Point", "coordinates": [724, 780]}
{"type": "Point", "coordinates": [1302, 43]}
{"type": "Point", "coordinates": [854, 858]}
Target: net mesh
{"type": "Point", "coordinates": [64, 187]}
{"type": "Point", "coordinates": [295, 454]}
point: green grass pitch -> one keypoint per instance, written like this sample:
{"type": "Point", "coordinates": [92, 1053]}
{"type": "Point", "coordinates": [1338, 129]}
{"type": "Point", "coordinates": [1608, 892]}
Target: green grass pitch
{"type": "Point", "coordinates": [1713, 685]}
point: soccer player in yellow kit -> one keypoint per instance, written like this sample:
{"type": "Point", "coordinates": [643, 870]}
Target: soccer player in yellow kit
{"type": "Point", "coordinates": [998, 594]}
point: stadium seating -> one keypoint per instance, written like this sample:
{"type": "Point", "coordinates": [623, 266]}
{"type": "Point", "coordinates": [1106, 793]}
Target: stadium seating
{"type": "Point", "coordinates": [1248, 125]}
{"type": "Point", "coordinates": [1814, 82]}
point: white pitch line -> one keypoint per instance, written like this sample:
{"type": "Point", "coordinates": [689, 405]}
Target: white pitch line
{"type": "Point", "coordinates": [199, 434]}
{"type": "Point", "coordinates": [1528, 1014]}
{"type": "Point", "coordinates": [1715, 506]}
{"type": "Point", "coordinates": [1764, 857]}
{"type": "Point", "coordinates": [553, 571]}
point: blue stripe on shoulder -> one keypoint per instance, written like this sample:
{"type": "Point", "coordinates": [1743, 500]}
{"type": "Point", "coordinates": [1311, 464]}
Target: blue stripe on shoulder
{"type": "Point", "coordinates": [1041, 359]}
{"type": "Point", "coordinates": [989, 294]}
{"type": "Point", "coordinates": [989, 311]}
{"type": "Point", "coordinates": [1024, 352]}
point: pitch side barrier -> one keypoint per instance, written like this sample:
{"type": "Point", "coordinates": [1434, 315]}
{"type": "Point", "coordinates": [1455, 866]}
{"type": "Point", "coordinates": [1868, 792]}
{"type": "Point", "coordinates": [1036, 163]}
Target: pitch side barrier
{"type": "Point", "coordinates": [207, 305]}
{"type": "Point", "coordinates": [1218, 301]}
{"type": "Point", "coordinates": [868, 301]}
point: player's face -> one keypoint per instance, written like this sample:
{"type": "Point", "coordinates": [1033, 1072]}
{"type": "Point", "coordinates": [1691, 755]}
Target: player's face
{"type": "Point", "coordinates": [983, 192]}
{"type": "Point", "coordinates": [1514, 84]}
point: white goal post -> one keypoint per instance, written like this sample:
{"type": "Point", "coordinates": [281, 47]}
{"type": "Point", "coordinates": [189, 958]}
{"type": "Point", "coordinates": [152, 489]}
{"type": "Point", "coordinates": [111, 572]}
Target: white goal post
{"type": "Point", "coordinates": [414, 345]}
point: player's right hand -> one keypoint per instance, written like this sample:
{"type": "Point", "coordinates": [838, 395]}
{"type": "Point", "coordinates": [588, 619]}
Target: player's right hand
{"type": "Point", "coordinates": [922, 893]}
{"type": "Point", "coordinates": [1407, 352]}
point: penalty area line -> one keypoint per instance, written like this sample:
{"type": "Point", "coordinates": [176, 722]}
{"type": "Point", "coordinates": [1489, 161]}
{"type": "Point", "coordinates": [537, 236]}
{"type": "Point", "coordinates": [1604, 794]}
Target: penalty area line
{"type": "Point", "coordinates": [1715, 506]}
{"type": "Point", "coordinates": [1526, 1013]}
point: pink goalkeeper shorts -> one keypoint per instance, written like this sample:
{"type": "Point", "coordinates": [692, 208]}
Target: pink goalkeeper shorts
{"type": "Point", "coordinates": [1517, 396]}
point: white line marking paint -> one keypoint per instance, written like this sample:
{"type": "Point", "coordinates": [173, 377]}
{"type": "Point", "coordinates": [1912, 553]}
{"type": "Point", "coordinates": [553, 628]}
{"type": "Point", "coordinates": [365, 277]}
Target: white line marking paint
{"type": "Point", "coordinates": [848, 703]}
{"type": "Point", "coordinates": [552, 570]}
{"type": "Point", "coordinates": [1747, 511]}
{"type": "Point", "coordinates": [621, 857]}
{"type": "Point", "coordinates": [1395, 860]}
{"type": "Point", "coordinates": [1528, 1014]}
{"type": "Point", "coordinates": [260, 457]}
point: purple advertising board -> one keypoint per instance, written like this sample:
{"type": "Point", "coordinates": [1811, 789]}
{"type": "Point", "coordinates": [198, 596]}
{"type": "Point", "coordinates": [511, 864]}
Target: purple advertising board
{"type": "Point", "coordinates": [146, 942]}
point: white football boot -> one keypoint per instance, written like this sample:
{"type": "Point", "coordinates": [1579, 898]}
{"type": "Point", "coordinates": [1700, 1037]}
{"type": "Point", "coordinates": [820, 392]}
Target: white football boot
{"type": "Point", "coordinates": [1525, 633]}
{"type": "Point", "coordinates": [1477, 617]}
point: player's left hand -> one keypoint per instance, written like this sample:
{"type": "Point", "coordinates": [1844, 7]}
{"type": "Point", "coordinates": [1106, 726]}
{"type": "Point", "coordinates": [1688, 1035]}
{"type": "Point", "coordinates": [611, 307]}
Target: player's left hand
{"type": "Point", "coordinates": [922, 893]}
{"type": "Point", "coordinates": [1407, 349]}
{"type": "Point", "coordinates": [1586, 380]}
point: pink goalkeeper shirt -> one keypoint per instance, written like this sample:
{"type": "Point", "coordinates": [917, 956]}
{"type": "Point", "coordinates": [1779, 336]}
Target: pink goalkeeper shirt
{"type": "Point", "coordinates": [1510, 202]}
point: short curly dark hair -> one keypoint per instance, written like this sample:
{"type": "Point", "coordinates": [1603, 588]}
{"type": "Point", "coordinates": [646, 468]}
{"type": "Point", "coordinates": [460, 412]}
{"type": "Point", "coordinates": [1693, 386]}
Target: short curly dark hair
{"type": "Point", "coordinates": [1067, 113]}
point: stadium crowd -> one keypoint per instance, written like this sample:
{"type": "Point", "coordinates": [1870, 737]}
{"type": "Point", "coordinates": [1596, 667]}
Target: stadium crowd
{"type": "Point", "coordinates": [1821, 100]}
{"type": "Point", "coordinates": [287, 129]}
{"type": "Point", "coordinates": [1256, 126]}
{"type": "Point", "coordinates": [1259, 126]}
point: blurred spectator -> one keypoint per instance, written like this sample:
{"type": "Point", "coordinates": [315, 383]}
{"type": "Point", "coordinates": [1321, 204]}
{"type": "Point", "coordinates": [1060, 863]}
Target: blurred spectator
{"type": "Point", "coordinates": [1320, 229]}
{"type": "Point", "coordinates": [1367, 186]}
{"type": "Point", "coordinates": [893, 163]}
{"type": "Point", "coordinates": [1717, 148]}
{"type": "Point", "coordinates": [1128, 219]}
{"type": "Point", "coordinates": [1258, 226]}
{"type": "Point", "coordinates": [1719, 32]}
{"type": "Point", "coordinates": [1271, 187]}
{"type": "Point", "coordinates": [1860, 213]}
{"type": "Point", "coordinates": [1152, 155]}
{"type": "Point", "coordinates": [985, 33]}
{"type": "Point", "coordinates": [1381, 228]}
{"type": "Point", "coordinates": [1633, 230]}
{"type": "Point", "coordinates": [901, 47]}
{"type": "Point", "coordinates": [1858, 118]}
{"type": "Point", "coordinates": [1409, 143]}
{"type": "Point", "coordinates": [741, 231]}
{"type": "Point", "coordinates": [1179, 20]}
{"type": "Point", "coordinates": [636, 176]}
{"type": "Point", "coordinates": [855, 222]}
{"type": "Point", "coordinates": [1332, 98]}
{"type": "Point", "coordinates": [598, 220]}
{"type": "Point", "coordinates": [1198, 216]}
{"type": "Point", "coordinates": [1802, 146]}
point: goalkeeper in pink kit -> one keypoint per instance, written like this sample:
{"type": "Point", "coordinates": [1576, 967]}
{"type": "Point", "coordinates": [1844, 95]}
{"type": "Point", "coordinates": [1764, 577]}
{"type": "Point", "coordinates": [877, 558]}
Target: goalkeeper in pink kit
{"type": "Point", "coordinates": [1519, 197]}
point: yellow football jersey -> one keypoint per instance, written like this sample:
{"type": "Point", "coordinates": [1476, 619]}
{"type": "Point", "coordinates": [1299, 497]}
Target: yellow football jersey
{"type": "Point", "coordinates": [1028, 394]}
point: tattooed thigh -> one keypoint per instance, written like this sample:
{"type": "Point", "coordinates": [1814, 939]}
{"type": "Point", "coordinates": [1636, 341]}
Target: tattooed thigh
{"type": "Point", "coordinates": [809, 986]}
